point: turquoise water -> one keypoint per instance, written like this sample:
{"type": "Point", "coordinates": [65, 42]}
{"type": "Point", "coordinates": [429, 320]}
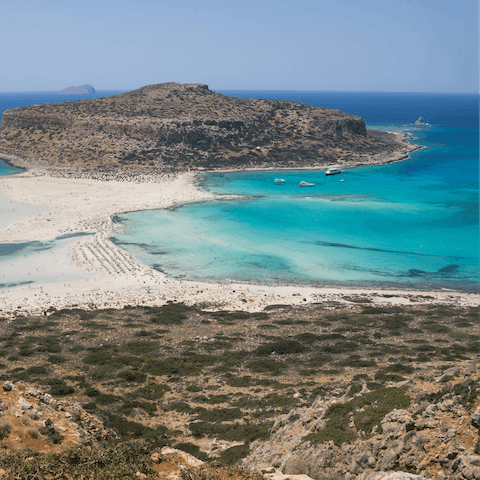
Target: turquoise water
{"type": "Point", "coordinates": [409, 224]}
{"type": "Point", "coordinates": [7, 169]}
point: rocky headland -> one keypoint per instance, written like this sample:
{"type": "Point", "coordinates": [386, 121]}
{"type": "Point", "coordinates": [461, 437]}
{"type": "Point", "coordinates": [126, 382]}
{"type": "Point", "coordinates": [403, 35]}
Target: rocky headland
{"type": "Point", "coordinates": [174, 127]}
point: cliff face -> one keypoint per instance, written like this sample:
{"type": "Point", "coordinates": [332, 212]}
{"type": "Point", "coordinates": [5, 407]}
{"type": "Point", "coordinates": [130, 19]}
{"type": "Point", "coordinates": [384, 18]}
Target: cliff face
{"type": "Point", "coordinates": [176, 127]}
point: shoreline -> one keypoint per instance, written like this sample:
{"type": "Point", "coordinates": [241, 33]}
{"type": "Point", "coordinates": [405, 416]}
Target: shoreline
{"type": "Point", "coordinates": [87, 205]}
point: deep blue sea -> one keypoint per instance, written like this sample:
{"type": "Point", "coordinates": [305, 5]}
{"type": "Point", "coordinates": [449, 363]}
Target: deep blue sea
{"type": "Point", "coordinates": [410, 224]}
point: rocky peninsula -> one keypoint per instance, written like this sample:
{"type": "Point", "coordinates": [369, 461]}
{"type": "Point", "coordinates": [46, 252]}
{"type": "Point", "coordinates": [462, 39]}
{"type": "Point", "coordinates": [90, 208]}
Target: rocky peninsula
{"type": "Point", "coordinates": [173, 127]}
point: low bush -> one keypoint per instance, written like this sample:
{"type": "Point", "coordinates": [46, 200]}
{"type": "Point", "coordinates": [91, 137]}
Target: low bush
{"type": "Point", "coordinates": [192, 449]}
{"type": "Point", "coordinates": [266, 366]}
{"type": "Point", "coordinates": [60, 388]}
{"type": "Point", "coordinates": [140, 347]}
{"type": "Point", "coordinates": [193, 389]}
{"type": "Point", "coordinates": [231, 432]}
{"type": "Point", "coordinates": [219, 414]}
{"type": "Point", "coordinates": [233, 454]}
{"type": "Point", "coordinates": [356, 361]}
{"type": "Point", "coordinates": [133, 376]}
{"type": "Point", "coordinates": [5, 430]}
{"type": "Point", "coordinates": [281, 347]}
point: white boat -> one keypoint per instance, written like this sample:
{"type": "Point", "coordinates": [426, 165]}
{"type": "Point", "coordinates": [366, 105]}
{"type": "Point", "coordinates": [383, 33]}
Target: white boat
{"type": "Point", "coordinates": [306, 184]}
{"type": "Point", "coordinates": [279, 180]}
{"type": "Point", "coordinates": [333, 172]}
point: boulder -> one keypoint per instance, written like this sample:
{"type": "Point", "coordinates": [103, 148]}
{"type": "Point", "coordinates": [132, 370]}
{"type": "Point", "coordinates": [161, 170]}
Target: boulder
{"type": "Point", "coordinates": [8, 386]}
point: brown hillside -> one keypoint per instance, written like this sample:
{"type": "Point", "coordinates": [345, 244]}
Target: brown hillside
{"type": "Point", "coordinates": [179, 127]}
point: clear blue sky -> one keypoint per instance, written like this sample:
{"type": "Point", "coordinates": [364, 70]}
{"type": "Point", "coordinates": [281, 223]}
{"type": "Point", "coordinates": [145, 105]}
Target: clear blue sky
{"type": "Point", "coordinates": [366, 45]}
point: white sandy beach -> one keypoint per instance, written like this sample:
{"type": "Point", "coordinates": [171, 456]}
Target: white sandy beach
{"type": "Point", "coordinates": [116, 279]}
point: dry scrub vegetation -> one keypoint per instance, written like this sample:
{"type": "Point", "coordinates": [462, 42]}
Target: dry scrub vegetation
{"type": "Point", "coordinates": [205, 381]}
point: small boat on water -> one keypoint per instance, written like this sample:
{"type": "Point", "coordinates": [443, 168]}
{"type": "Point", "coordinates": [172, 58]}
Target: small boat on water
{"type": "Point", "coordinates": [279, 180]}
{"type": "Point", "coordinates": [333, 172]}
{"type": "Point", "coordinates": [306, 184]}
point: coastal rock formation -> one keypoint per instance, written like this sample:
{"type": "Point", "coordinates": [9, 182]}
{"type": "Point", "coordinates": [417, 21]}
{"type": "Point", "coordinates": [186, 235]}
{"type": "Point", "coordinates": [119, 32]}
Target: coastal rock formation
{"type": "Point", "coordinates": [420, 121]}
{"type": "Point", "coordinates": [82, 89]}
{"type": "Point", "coordinates": [188, 127]}
{"type": "Point", "coordinates": [435, 437]}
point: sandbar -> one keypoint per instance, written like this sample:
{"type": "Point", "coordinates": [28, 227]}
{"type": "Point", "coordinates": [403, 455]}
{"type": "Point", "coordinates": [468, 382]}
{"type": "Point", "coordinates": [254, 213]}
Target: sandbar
{"type": "Point", "coordinates": [117, 279]}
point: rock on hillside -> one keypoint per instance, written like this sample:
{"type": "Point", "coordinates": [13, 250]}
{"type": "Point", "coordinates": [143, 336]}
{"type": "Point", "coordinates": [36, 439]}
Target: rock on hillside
{"type": "Point", "coordinates": [30, 418]}
{"type": "Point", "coordinates": [181, 127]}
{"type": "Point", "coordinates": [433, 433]}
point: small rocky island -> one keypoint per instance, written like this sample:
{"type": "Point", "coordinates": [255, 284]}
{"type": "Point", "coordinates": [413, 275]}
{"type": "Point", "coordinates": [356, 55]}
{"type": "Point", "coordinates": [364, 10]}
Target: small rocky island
{"type": "Point", "coordinates": [82, 89]}
{"type": "Point", "coordinates": [420, 121]}
{"type": "Point", "coordinates": [174, 127]}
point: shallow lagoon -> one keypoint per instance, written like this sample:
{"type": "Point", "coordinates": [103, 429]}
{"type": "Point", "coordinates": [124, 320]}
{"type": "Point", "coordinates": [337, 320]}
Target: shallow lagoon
{"type": "Point", "coordinates": [409, 224]}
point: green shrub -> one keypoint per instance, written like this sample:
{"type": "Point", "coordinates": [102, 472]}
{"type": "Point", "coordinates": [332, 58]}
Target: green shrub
{"type": "Point", "coordinates": [33, 371]}
{"type": "Point", "coordinates": [140, 347]}
{"type": "Point", "coordinates": [340, 347]}
{"type": "Point", "coordinates": [281, 347]}
{"type": "Point", "coordinates": [239, 382]}
{"type": "Point", "coordinates": [133, 376]}
{"type": "Point", "coordinates": [152, 391]}
{"type": "Point", "coordinates": [192, 449]}
{"type": "Point", "coordinates": [318, 360]}
{"type": "Point", "coordinates": [231, 432]}
{"type": "Point", "coordinates": [188, 365]}
{"type": "Point", "coordinates": [233, 454]}
{"type": "Point", "coordinates": [356, 362]}
{"type": "Point", "coordinates": [354, 389]}
{"type": "Point", "coordinates": [265, 366]}
{"type": "Point", "coordinates": [5, 430]}
{"type": "Point", "coordinates": [127, 429]}
{"type": "Point", "coordinates": [171, 314]}
{"type": "Point", "coordinates": [121, 361]}
{"type": "Point", "coordinates": [49, 345]}
{"type": "Point", "coordinates": [51, 433]}
{"type": "Point", "coordinates": [220, 414]}
{"type": "Point", "coordinates": [92, 392]}
{"type": "Point", "coordinates": [129, 405]}
{"type": "Point", "coordinates": [368, 411]}
{"type": "Point", "coordinates": [112, 461]}
{"type": "Point", "coordinates": [56, 359]}
{"type": "Point", "coordinates": [193, 389]}
{"type": "Point", "coordinates": [336, 431]}
{"type": "Point", "coordinates": [280, 401]}
{"type": "Point", "coordinates": [307, 338]}
{"type": "Point", "coordinates": [60, 388]}
{"type": "Point", "coordinates": [181, 407]}
{"type": "Point", "coordinates": [99, 355]}
{"type": "Point", "coordinates": [435, 328]}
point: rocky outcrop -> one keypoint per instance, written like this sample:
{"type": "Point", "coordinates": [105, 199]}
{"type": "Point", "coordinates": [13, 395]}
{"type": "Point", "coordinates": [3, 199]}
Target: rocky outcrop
{"type": "Point", "coordinates": [436, 437]}
{"type": "Point", "coordinates": [185, 127]}
{"type": "Point", "coordinates": [30, 418]}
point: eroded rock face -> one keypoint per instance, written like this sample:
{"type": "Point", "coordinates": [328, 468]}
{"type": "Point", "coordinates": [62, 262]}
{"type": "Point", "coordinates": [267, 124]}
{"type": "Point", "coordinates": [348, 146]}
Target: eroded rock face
{"type": "Point", "coordinates": [436, 437]}
{"type": "Point", "coordinates": [182, 127]}
{"type": "Point", "coordinates": [38, 421]}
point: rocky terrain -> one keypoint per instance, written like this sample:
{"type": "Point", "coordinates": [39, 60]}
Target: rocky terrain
{"type": "Point", "coordinates": [173, 127]}
{"type": "Point", "coordinates": [337, 390]}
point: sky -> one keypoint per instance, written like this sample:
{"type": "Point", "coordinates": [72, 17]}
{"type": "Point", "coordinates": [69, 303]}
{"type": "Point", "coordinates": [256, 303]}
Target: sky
{"type": "Point", "coordinates": [326, 45]}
